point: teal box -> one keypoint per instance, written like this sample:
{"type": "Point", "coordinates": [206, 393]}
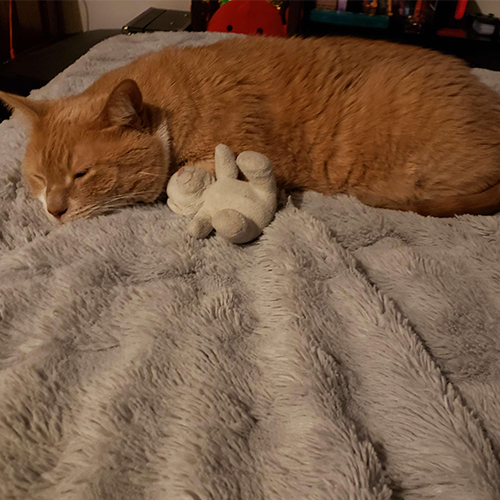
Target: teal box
{"type": "Point", "coordinates": [349, 19]}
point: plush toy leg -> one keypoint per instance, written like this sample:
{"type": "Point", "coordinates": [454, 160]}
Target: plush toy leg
{"type": "Point", "coordinates": [234, 226]}
{"type": "Point", "coordinates": [257, 169]}
{"type": "Point", "coordinates": [225, 164]}
{"type": "Point", "coordinates": [199, 227]}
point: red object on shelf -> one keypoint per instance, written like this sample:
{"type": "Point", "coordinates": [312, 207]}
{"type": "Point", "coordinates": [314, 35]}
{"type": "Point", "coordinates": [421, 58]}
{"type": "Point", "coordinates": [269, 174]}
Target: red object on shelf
{"type": "Point", "coordinates": [250, 17]}
{"type": "Point", "coordinates": [11, 30]}
{"type": "Point", "coordinates": [460, 10]}
{"type": "Point", "coordinates": [453, 32]}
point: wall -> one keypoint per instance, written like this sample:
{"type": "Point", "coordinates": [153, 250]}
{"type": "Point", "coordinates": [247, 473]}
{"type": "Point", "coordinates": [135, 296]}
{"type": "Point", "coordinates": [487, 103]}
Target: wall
{"type": "Point", "coordinates": [489, 6]}
{"type": "Point", "coordinates": [113, 14]}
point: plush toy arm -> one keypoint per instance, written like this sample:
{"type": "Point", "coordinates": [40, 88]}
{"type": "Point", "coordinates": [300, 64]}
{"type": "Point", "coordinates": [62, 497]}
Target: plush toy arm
{"type": "Point", "coordinates": [225, 163]}
{"type": "Point", "coordinates": [200, 226]}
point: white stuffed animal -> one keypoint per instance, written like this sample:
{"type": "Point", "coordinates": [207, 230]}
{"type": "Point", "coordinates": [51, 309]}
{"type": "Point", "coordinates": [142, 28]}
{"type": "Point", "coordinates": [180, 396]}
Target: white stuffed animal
{"type": "Point", "coordinates": [238, 210]}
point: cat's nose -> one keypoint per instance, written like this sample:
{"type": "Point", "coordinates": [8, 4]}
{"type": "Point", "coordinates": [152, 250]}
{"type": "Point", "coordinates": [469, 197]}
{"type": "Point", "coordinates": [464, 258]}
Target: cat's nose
{"type": "Point", "coordinates": [57, 212]}
{"type": "Point", "coordinates": [57, 202]}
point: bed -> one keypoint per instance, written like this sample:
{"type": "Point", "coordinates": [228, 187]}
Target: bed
{"type": "Point", "coordinates": [349, 353]}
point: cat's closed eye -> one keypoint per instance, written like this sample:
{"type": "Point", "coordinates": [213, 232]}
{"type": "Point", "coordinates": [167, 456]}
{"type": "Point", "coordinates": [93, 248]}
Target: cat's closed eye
{"type": "Point", "coordinates": [38, 178]}
{"type": "Point", "coordinates": [81, 174]}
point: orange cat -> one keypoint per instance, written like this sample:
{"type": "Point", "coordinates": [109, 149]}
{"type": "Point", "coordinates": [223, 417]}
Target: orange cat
{"type": "Point", "coordinates": [395, 126]}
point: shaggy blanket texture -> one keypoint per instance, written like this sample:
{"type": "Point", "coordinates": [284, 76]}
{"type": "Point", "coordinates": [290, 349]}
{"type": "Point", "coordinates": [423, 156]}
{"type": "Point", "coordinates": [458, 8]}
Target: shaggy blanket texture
{"type": "Point", "coordinates": [349, 353]}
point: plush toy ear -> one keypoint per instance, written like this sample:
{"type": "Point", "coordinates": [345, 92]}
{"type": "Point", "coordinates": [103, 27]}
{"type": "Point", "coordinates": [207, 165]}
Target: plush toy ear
{"type": "Point", "coordinates": [30, 109]}
{"type": "Point", "coordinates": [124, 106]}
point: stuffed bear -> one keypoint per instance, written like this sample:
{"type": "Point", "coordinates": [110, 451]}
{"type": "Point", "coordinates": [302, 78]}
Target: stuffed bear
{"type": "Point", "coordinates": [238, 210]}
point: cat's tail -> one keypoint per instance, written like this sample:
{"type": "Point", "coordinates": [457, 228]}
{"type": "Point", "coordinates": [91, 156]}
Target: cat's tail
{"type": "Point", "coordinates": [486, 202]}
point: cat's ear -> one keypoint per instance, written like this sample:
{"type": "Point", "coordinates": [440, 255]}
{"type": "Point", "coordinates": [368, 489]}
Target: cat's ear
{"type": "Point", "coordinates": [124, 107]}
{"type": "Point", "coordinates": [28, 108]}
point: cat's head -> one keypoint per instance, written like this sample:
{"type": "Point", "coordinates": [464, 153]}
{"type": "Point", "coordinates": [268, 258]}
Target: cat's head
{"type": "Point", "coordinates": [88, 155]}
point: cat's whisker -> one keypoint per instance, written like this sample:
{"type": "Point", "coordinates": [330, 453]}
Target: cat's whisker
{"type": "Point", "coordinates": [131, 196]}
{"type": "Point", "coordinates": [118, 201]}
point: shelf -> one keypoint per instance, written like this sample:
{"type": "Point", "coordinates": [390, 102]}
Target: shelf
{"type": "Point", "coordinates": [348, 19]}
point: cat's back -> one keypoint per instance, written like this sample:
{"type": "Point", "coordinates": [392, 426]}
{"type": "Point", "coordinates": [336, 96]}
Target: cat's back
{"type": "Point", "coordinates": [303, 72]}
{"type": "Point", "coordinates": [314, 77]}
{"type": "Point", "coordinates": [256, 54]}
{"type": "Point", "coordinates": [285, 61]}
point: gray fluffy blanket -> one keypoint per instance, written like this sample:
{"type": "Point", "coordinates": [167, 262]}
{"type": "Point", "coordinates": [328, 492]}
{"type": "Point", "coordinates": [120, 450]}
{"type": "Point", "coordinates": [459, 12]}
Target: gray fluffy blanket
{"type": "Point", "coordinates": [350, 353]}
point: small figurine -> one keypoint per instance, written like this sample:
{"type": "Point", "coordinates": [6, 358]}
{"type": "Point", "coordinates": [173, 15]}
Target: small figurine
{"type": "Point", "coordinates": [250, 17]}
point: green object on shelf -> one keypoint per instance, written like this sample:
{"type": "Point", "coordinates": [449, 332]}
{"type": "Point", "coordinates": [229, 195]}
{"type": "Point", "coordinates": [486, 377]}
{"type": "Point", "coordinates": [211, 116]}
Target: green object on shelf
{"type": "Point", "coordinates": [349, 19]}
